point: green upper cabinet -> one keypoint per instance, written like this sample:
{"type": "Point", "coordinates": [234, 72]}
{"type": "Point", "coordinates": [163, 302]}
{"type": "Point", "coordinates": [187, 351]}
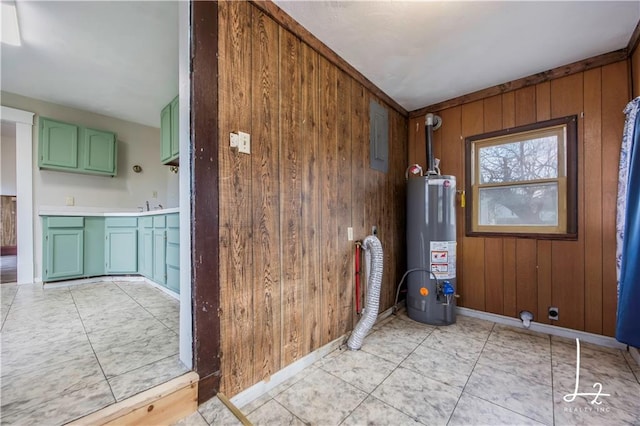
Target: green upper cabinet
{"type": "Point", "coordinates": [169, 139]}
{"type": "Point", "coordinates": [70, 148]}
{"type": "Point", "coordinates": [175, 126]}
{"type": "Point", "coordinates": [100, 151]}
{"type": "Point", "coordinates": [58, 144]}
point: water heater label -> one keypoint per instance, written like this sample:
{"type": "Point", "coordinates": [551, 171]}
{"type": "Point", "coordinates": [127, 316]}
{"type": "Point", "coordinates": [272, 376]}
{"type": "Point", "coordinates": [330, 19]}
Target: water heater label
{"type": "Point", "coordinates": [443, 259]}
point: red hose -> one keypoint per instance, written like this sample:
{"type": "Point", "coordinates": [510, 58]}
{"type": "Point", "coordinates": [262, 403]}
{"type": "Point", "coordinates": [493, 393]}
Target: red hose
{"type": "Point", "coordinates": [358, 279]}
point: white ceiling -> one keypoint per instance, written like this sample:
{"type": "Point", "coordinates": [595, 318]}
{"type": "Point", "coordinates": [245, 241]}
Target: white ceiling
{"type": "Point", "coordinates": [119, 58]}
{"type": "Point", "coordinates": [424, 52]}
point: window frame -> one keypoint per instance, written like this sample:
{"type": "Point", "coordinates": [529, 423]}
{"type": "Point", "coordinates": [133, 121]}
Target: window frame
{"type": "Point", "coordinates": [570, 181]}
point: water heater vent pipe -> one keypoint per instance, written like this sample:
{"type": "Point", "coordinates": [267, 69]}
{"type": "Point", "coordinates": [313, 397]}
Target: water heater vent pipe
{"type": "Point", "coordinates": [432, 122]}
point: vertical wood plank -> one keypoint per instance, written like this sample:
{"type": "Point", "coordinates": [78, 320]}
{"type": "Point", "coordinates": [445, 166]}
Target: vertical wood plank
{"type": "Point", "coordinates": [236, 238]}
{"type": "Point", "coordinates": [493, 113]}
{"type": "Point", "coordinates": [399, 193]}
{"type": "Point", "coordinates": [493, 275]}
{"type": "Point", "coordinates": [329, 208]}
{"type": "Point", "coordinates": [508, 110]}
{"type": "Point", "coordinates": [204, 191]}
{"type": "Point", "coordinates": [265, 194]}
{"type": "Point", "coordinates": [615, 94]}
{"type": "Point", "coordinates": [543, 101]}
{"type": "Point", "coordinates": [345, 252]}
{"type": "Point", "coordinates": [311, 190]}
{"type": "Point", "coordinates": [388, 235]}
{"type": "Point", "coordinates": [290, 198]}
{"type": "Point", "coordinates": [526, 276]}
{"type": "Point", "coordinates": [509, 276]}
{"type": "Point", "coordinates": [359, 145]}
{"type": "Point", "coordinates": [593, 200]}
{"type": "Point", "coordinates": [567, 257]}
{"type": "Point", "coordinates": [544, 280]}
{"type": "Point", "coordinates": [525, 100]}
{"type": "Point", "coordinates": [472, 116]}
{"type": "Point", "coordinates": [635, 72]}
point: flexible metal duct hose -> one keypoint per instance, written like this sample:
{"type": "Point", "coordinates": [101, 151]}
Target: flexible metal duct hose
{"type": "Point", "coordinates": [374, 262]}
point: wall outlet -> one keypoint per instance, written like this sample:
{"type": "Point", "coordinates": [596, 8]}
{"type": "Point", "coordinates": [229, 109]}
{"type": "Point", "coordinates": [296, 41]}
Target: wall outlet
{"type": "Point", "coordinates": [234, 140]}
{"type": "Point", "coordinates": [349, 234]}
{"type": "Point", "coordinates": [154, 194]}
{"type": "Point", "coordinates": [554, 313]}
{"type": "Point", "coordinates": [69, 201]}
{"type": "Point", "coordinates": [244, 143]}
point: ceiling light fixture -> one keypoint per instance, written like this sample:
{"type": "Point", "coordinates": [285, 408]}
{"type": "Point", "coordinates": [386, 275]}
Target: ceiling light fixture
{"type": "Point", "coordinates": [10, 33]}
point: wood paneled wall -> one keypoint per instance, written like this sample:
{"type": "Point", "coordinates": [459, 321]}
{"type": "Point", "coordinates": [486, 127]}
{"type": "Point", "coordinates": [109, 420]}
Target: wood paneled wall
{"type": "Point", "coordinates": [8, 224]}
{"type": "Point", "coordinates": [508, 275]}
{"type": "Point", "coordinates": [635, 71]}
{"type": "Point", "coordinates": [286, 267]}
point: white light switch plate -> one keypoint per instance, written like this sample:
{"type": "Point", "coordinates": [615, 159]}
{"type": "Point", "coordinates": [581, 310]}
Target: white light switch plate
{"type": "Point", "coordinates": [349, 234]}
{"type": "Point", "coordinates": [244, 144]}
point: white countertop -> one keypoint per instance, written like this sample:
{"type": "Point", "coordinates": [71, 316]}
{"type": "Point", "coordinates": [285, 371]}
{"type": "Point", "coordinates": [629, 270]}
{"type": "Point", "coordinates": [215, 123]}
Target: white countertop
{"type": "Point", "coordinates": [99, 211]}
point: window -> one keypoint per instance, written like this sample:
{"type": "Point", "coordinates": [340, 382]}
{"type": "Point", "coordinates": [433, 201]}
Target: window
{"type": "Point", "coordinates": [522, 181]}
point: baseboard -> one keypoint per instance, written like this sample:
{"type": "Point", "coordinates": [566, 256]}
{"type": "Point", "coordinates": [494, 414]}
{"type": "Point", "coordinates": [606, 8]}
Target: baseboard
{"type": "Point", "coordinates": [163, 404]}
{"type": "Point", "coordinates": [81, 281]}
{"type": "Point", "coordinates": [161, 288]}
{"type": "Point", "coordinates": [111, 278]}
{"type": "Point", "coordinates": [8, 251]}
{"type": "Point", "coordinates": [569, 333]}
{"type": "Point", "coordinates": [250, 394]}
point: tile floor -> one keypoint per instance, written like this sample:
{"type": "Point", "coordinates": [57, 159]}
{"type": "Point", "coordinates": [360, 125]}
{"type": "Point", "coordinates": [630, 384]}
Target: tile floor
{"type": "Point", "coordinates": [69, 351]}
{"type": "Point", "coordinates": [472, 373]}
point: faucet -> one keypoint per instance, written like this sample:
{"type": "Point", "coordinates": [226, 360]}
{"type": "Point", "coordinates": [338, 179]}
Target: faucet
{"type": "Point", "coordinates": [147, 205]}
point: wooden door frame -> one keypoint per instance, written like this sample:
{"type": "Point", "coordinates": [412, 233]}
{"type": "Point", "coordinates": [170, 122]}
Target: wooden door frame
{"type": "Point", "coordinates": [203, 158]}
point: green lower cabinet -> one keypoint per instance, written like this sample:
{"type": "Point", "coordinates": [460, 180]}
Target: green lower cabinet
{"type": "Point", "coordinates": [159, 254]}
{"type": "Point", "coordinates": [93, 246]}
{"type": "Point", "coordinates": [65, 253]}
{"type": "Point", "coordinates": [121, 248]}
{"type": "Point", "coordinates": [79, 247]}
{"type": "Point", "coordinates": [173, 252]}
{"type": "Point", "coordinates": [145, 253]}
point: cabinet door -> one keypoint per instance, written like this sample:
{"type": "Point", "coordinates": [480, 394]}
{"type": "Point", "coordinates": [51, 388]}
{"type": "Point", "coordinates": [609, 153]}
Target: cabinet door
{"type": "Point", "coordinates": [146, 253]}
{"type": "Point", "coordinates": [58, 144]}
{"type": "Point", "coordinates": [175, 126]}
{"type": "Point", "coordinates": [159, 256]}
{"type": "Point", "coordinates": [65, 253]}
{"type": "Point", "coordinates": [93, 246]}
{"type": "Point", "coordinates": [99, 151]}
{"type": "Point", "coordinates": [165, 134]}
{"type": "Point", "coordinates": [121, 251]}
